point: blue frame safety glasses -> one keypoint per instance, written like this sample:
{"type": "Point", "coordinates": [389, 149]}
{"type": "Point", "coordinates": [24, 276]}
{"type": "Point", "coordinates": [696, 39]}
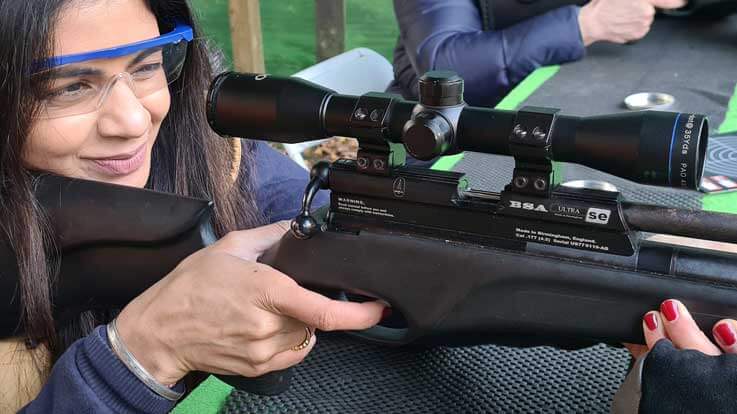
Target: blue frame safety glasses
{"type": "Point", "coordinates": [80, 83]}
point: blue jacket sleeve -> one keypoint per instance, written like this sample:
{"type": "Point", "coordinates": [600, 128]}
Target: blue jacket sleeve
{"type": "Point", "coordinates": [89, 378]}
{"type": "Point", "coordinates": [279, 184]}
{"type": "Point", "coordinates": [442, 34]}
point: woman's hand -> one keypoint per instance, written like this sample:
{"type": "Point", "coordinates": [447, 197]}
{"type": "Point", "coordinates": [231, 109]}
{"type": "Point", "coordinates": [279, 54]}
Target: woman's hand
{"type": "Point", "coordinates": [620, 21]}
{"type": "Point", "coordinates": [221, 312]}
{"type": "Point", "coordinates": [674, 322]}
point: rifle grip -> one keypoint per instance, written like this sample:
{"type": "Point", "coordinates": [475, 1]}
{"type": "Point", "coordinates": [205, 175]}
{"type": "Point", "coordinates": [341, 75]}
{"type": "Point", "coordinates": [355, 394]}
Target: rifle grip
{"type": "Point", "coordinates": [273, 383]}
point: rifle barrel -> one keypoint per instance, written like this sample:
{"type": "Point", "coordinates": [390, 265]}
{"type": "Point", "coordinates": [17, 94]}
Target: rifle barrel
{"type": "Point", "coordinates": [681, 222]}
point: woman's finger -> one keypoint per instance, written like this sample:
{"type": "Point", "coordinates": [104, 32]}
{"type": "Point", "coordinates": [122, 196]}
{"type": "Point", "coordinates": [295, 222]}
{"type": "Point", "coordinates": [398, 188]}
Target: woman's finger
{"type": "Point", "coordinates": [293, 333]}
{"type": "Point", "coordinates": [263, 356]}
{"type": "Point", "coordinates": [324, 313]}
{"type": "Point", "coordinates": [668, 4]}
{"type": "Point", "coordinates": [682, 330]}
{"type": "Point", "coordinates": [653, 328]}
{"type": "Point", "coordinates": [725, 332]}
{"type": "Point", "coordinates": [247, 367]}
{"type": "Point", "coordinates": [289, 357]}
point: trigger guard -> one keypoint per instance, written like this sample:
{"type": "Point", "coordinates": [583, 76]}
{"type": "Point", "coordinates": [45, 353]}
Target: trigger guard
{"type": "Point", "coordinates": [382, 335]}
{"type": "Point", "coordinates": [379, 334]}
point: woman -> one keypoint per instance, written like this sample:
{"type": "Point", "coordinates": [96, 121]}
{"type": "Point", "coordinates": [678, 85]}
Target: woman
{"type": "Point", "coordinates": [114, 90]}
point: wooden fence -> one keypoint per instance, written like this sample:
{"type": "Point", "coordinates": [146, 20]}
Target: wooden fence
{"type": "Point", "coordinates": [245, 32]}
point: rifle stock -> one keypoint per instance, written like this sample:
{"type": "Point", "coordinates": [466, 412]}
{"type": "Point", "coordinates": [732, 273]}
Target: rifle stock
{"type": "Point", "coordinates": [112, 242]}
{"type": "Point", "coordinates": [452, 292]}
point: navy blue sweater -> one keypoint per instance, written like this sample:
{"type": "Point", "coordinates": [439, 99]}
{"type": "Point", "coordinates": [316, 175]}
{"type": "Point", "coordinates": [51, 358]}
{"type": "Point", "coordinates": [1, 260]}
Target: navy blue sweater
{"type": "Point", "coordinates": [448, 34]}
{"type": "Point", "coordinates": [89, 378]}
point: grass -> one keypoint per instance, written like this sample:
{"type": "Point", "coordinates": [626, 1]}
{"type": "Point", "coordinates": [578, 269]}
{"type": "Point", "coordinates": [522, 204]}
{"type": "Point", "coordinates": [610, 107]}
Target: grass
{"type": "Point", "coordinates": [288, 28]}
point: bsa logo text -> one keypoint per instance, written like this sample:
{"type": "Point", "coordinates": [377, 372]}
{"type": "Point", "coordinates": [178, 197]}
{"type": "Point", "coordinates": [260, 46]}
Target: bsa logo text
{"type": "Point", "coordinates": [527, 206]}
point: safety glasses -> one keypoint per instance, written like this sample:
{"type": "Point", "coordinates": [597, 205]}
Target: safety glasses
{"type": "Point", "coordinates": [80, 83]}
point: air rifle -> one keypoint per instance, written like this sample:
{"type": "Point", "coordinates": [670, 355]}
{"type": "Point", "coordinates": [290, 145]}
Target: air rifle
{"type": "Point", "coordinates": [538, 263]}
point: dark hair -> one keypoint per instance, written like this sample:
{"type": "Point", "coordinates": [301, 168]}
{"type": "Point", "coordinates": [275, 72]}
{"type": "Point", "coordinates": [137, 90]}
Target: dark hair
{"type": "Point", "coordinates": [188, 157]}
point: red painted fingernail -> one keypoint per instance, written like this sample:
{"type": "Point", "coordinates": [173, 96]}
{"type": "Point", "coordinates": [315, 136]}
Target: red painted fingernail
{"type": "Point", "coordinates": [651, 321]}
{"type": "Point", "coordinates": [726, 334]}
{"type": "Point", "coordinates": [669, 308]}
{"type": "Point", "coordinates": [386, 313]}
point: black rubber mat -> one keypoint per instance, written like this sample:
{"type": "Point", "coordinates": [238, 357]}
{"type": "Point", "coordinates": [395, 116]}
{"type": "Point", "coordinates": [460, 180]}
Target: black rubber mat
{"type": "Point", "coordinates": [720, 168]}
{"type": "Point", "coordinates": [721, 157]}
{"type": "Point", "coordinates": [344, 375]}
{"type": "Point", "coordinates": [692, 60]}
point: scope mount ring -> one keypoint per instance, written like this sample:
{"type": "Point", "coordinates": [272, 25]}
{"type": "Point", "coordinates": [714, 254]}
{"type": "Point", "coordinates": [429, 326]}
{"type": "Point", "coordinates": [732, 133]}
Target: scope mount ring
{"type": "Point", "coordinates": [530, 144]}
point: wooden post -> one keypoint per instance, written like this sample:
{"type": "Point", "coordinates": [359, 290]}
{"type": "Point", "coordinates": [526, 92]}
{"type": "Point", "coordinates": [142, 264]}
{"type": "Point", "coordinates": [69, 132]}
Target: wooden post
{"type": "Point", "coordinates": [245, 35]}
{"type": "Point", "coordinates": [330, 28]}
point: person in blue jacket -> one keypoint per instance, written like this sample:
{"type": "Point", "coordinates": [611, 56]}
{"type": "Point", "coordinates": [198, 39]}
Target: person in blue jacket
{"type": "Point", "coordinates": [465, 36]}
{"type": "Point", "coordinates": [114, 91]}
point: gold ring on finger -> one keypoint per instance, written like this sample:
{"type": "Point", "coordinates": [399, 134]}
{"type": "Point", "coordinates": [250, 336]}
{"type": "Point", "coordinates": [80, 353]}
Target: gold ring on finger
{"type": "Point", "coordinates": [305, 342]}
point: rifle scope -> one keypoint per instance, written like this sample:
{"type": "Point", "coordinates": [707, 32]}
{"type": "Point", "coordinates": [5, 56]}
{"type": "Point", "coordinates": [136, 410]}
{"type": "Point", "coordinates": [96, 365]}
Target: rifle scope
{"type": "Point", "coordinates": [649, 147]}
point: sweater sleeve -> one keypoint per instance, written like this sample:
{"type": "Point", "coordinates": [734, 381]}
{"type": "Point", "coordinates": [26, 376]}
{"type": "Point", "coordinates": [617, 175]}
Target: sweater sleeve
{"type": "Point", "coordinates": [89, 378]}
{"type": "Point", "coordinates": [440, 34]}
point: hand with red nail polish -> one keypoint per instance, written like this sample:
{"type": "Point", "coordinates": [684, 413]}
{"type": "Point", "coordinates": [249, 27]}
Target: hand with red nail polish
{"type": "Point", "coordinates": [674, 322]}
{"type": "Point", "coordinates": [686, 370]}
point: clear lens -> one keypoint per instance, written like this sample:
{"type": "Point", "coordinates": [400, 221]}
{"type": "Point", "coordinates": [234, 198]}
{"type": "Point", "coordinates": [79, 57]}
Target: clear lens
{"type": "Point", "coordinates": [80, 88]}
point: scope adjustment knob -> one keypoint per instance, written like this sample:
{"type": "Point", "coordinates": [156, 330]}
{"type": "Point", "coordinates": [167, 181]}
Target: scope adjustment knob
{"type": "Point", "coordinates": [427, 135]}
{"type": "Point", "coordinates": [439, 88]}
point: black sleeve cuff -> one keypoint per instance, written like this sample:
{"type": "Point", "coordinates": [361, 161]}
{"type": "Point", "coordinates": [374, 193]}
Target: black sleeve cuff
{"type": "Point", "coordinates": [688, 381]}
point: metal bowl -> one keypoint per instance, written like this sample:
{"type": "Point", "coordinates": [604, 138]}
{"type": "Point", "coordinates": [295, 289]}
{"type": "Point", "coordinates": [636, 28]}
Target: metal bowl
{"type": "Point", "coordinates": [649, 100]}
{"type": "Point", "coordinates": [591, 185]}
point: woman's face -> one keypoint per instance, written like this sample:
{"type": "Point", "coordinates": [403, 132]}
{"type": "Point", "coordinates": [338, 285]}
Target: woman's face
{"type": "Point", "coordinates": [114, 143]}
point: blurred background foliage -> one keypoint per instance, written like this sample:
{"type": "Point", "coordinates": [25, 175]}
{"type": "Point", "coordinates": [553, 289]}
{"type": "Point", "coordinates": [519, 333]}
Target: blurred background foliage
{"type": "Point", "coordinates": [288, 28]}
